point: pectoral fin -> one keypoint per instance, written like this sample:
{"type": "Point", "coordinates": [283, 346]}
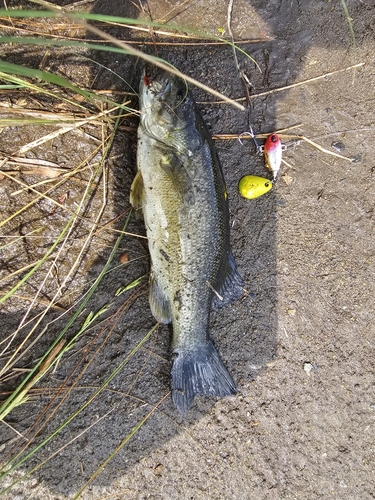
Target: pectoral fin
{"type": "Point", "coordinates": [173, 166]}
{"type": "Point", "coordinates": [159, 303]}
{"type": "Point", "coordinates": [137, 192]}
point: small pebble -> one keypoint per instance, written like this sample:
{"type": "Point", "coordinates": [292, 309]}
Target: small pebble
{"type": "Point", "coordinates": [308, 367]}
{"type": "Point", "coordinates": [159, 469]}
{"type": "Point", "coordinates": [357, 158]}
{"type": "Point", "coordinates": [124, 258]}
{"type": "Point", "coordinates": [338, 146]}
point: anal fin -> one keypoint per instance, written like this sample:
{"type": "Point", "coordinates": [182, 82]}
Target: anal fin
{"type": "Point", "coordinates": [230, 285]}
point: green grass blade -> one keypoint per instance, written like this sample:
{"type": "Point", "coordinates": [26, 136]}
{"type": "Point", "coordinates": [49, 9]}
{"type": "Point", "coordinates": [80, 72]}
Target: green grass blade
{"type": "Point", "coordinates": [131, 285]}
{"type": "Point", "coordinates": [79, 16]}
{"type": "Point", "coordinates": [118, 448]}
{"type": "Point", "coordinates": [61, 43]}
{"type": "Point", "coordinates": [42, 260]}
{"type": "Point", "coordinates": [8, 68]}
{"type": "Point", "coordinates": [88, 16]}
{"type": "Point", "coordinates": [9, 468]}
{"type": "Point", "coordinates": [349, 21]}
{"type": "Point", "coordinates": [24, 84]}
{"type": "Point", "coordinates": [9, 402]}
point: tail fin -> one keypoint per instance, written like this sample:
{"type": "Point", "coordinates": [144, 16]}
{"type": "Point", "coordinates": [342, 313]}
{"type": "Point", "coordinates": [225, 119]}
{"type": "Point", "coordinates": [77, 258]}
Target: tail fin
{"type": "Point", "coordinates": [199, 371]}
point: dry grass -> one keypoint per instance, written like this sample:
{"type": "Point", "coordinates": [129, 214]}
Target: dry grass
{"type": "Point", "coordinates": [63, 211]}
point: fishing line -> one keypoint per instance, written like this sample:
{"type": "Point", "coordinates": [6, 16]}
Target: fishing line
{"type": "Point", "coordinates": [247, 85]}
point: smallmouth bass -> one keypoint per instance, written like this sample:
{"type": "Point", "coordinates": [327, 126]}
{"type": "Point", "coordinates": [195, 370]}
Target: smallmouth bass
{"type": "Point", "coordinates": [181, 190]}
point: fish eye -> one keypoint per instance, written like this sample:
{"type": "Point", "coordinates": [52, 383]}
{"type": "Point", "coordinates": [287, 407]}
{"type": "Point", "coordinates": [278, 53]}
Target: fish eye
{"type": "Point", "coordinates": [274, 138]}
{"type": "Point", "coordinates": [180, 94]}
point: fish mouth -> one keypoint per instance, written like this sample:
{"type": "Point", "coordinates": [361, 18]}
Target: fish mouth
{"type": "Point", "coordinates": [164, 100]}
{"type": "Point", "coordinates": [157, 82]}
{"type": "Point", "coordinates": [164, 86]}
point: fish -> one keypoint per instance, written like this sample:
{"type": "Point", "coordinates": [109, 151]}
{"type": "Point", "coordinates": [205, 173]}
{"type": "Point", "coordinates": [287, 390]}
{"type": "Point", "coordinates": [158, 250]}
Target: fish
{"type": "Point", "coordinates": [180, 189]}
{"type": "Point", "coordinates": [273, 154]}
{"type": "Point", "coordinates": [252, 186]}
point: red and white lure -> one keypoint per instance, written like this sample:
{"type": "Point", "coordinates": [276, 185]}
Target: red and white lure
{"type": "Point", "coordinates": [272, 151]}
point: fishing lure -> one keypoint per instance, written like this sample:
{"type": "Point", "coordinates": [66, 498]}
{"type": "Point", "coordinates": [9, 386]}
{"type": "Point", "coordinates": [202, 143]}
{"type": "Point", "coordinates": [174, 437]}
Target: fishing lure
{"type": "Point", "coordinates": [252, 186]}
{"type": "Point", "coordinates": [272, 151]}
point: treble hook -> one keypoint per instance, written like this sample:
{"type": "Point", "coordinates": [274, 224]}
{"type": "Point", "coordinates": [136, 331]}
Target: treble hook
{"type": "Point", "coordinates": [252, 135]}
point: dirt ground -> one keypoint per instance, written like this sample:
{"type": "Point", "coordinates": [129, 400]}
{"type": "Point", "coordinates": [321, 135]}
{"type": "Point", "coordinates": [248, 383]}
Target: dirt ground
{"type": "Point", "coordinates": [300, 344]}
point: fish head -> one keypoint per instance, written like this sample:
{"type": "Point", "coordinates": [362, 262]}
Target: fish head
{"type": "Point", "coordinates": [165, 103]}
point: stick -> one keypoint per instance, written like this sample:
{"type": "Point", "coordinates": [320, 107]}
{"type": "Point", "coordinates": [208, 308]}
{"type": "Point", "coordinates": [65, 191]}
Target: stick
{"type": "Point", "coordinates": [138, 53]}
{"type": "Point", "coordinates": [287, 87]}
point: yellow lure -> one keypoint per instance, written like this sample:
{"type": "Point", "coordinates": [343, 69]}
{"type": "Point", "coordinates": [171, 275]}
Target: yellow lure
{"type": "Point", "coordinates": [252, 186]}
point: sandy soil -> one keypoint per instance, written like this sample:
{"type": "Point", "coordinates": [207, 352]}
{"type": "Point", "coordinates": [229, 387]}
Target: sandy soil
{"type": "Point", "coordinates": [300, 344]}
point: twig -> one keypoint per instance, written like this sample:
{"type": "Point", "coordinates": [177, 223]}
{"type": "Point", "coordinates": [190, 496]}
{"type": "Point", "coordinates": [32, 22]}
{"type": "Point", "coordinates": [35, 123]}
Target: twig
{"type": "Point", "coordinates": [156, 62]}
{"type": "Point", "coordinates": [66, 128]}
{"type": "Point", "coordinates": [349, 21]}
{"type": "Point", "coordinates": [284, 136]}
{"type": "Point", "coordinates": [235, 136]}
{"type": "Point", "coordinates": [42, 302]}
{"type": "Point", "coordinates": [42, 195]}
{"type": "Point", "coordinates": [14, 430]}
{"type": "Point", "coordinates": [245, 81]}
{"type": "Point", "coordinates": [317, 146]}
{"type": "Point", "coordinates": [200, 40]}
{"type": "Point", "coordinates": [51, 356]}
{"type": "Point", "coordinates": [195, 44]}
{"type": "Point", "coordinates": [287, 87]}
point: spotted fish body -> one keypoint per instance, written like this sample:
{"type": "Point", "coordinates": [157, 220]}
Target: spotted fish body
{"type": "Point", "coordinates": [181, 191]}
{"type": "Point", "coordinates": [273, 154]}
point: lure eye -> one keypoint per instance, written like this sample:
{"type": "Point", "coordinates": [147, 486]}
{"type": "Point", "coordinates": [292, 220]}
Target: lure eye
{"type": "Point", "coordinates": [274, 138]}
